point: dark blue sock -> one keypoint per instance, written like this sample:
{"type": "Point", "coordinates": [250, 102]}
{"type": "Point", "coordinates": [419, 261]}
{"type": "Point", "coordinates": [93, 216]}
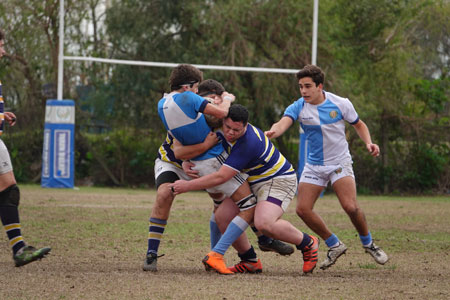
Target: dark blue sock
{"type": "Point", "coordinates": [250, 255]}
{"type": "Point", "coordinates": [262, 239]}
{"type": "Point", "coordinates": [305, 242]}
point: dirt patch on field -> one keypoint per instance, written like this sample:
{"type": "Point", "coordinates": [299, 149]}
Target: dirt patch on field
{"type": "Point", "coordinates": [98, 238]}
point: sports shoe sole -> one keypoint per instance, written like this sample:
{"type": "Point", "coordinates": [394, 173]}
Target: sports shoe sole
{"type": "Point", "coordinates": [327, 266]}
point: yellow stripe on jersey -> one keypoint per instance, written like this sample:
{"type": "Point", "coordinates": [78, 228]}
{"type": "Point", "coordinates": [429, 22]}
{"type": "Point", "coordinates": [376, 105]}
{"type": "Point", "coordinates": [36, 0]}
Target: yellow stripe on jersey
{"type": "Point", "coordinates": [165, 157]}
{"type": "Point", "coordinates": [280, 163]}
{"type": "Point", "coordinates": [257, 133]}
{"type": "Point", "coordinates": [163, 153]}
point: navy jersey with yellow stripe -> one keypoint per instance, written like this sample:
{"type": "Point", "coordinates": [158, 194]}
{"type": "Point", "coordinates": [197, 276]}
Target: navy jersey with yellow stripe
{"type": "Point", "coordinates": [165, 152]}
{"type": "Point", "coordinates": [254, 154]}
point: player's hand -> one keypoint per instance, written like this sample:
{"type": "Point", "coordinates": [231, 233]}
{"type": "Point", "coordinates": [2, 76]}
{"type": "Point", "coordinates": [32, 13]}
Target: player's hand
{"type": "Point", "coordinates": [211, 140]}
{"type": "Point", "coordinates": [269, 133]}
{"type": "Point", "coordinates": [187, 168]}
{"type": "Point", "coordinates": [179, 187]}
{"type": "Point", "coordinates": [373, 149]}
{"type": "Point", "coordinates": [10, 118]}
{"type": "Point", "coordinates": [228, 97]}
{"type": "Point", "coordinates": [216, 99]}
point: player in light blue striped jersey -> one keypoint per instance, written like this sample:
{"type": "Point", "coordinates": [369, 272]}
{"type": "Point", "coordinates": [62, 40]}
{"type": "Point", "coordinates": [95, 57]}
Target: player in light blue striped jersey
{"type": "Point", "coordinates": [322, 116]}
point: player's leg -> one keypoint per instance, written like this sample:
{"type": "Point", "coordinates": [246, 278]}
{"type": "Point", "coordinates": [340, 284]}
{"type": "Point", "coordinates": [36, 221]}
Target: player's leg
{"type": "Point", "coordinates": [274, 198]}
{"type": "Point", "coordinates": [249, 262]}
{"type": "Point", "coordinates": [312, 182]}
{"type": "Point", "coordinates": [306, 199]}
{"type": "Point", "coordinates": [165, 173]}
{"type": "Point", "coordinates": [246, 202]}
{"type": "Point", "coordinates": [214, 232]}
{"type": "Point", "coordinates": [345, 189]}
{"type": "Point", "coordinates": [9, 213]}
{"type": "Point", "coordinates": [268, 220]}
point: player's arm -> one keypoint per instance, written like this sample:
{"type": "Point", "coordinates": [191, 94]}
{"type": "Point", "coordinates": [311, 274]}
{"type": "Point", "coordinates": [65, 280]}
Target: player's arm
{"type": "Point", "coordinates": [279, 127]}
{"type": "Point", "coordinates": [187, 152]}
{"type": "Point", "coordinates": [224, 174]}
{"type": "Point", "coordinates": [220, 110]}
{"type": "Point", "coordinates": [363, 132]}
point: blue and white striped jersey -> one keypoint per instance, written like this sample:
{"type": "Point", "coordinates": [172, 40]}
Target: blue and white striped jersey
{"type": "Point", "coordinates": [182, 116]}
{"type": "Point", "coordinates": [324, 127]}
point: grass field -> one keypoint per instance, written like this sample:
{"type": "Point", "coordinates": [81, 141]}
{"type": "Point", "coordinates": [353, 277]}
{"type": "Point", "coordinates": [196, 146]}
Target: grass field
{"type": "Point", "coordinates": [98, 239]}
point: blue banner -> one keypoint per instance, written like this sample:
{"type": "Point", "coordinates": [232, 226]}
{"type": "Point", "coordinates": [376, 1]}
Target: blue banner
{"type": "Point", "coordinates": [58, 150]}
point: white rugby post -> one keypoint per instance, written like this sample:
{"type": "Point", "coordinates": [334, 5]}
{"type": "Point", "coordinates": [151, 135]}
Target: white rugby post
{"type": "Point", "coordinates": [61, 51]}
{"type": "Point", "coordinates": [59, 129]}
{"type": "Point", "coordinates": [314, 35]}
{"type": "Point", "coordinates": [303, 144]}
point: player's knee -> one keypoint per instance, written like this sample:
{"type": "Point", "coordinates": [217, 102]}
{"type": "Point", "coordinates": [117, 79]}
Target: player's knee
{"type": "Point", "coordinates": [263, 225]}
{"type": "Point", "coordinates": [10, 196]}
{"type": "Point", "coordinates": [351, 209]}
{"type": "Point", "coordinates": [303, 211]}
{"type": "Point", "coordinates": [247, 202]}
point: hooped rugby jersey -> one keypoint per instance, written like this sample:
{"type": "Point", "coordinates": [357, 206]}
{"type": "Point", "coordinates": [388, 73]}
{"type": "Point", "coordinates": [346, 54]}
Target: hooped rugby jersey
{"type": "Point", "coordinates": [165, 152]}
{"type": "Point", "coordinates": [182, 116]}
{"type": "Point", "coordinates": [324, 127]}
{"type": "Point", "coordinates": [254, 154]}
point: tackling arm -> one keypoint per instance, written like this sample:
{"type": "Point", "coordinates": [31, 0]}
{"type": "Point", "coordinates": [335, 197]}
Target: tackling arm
{"type": "Point", "coordinates": [187, 152]}
{"type": "Point", "coordinates": [220, 110]}
{"type": "Point", "coordinates": [224, 174]}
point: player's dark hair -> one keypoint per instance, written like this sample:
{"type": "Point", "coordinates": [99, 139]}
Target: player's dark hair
{"type": "Point", "coordinates": [184, 74]}
{"type": "Point", "coordinates": [238, 113]}
{"type": "Point", "coordinates": [2, 35]}
{"type": "Point", "coordinates": [312, 71]}
{"type": "Point", "coordinates": [210, 86]}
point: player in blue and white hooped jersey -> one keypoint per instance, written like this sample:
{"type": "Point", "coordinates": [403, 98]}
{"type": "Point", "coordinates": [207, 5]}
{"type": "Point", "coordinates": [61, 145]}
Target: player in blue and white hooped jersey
{"type": "Point", "coordinates": [322, 117]}
{"type": "Point", "coordinates": [271, 177]}
{"type": "Point", "coordinates": [181, 112]}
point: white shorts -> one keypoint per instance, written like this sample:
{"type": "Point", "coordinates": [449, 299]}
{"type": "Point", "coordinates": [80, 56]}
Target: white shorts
{"type": "Point", "coordinates": [5, 160]}
{"type": "Point", "coordinates": [164, 166]}
{"type": "Point", "coordinates": [321, 175]}
{"type": "Point", "coordinates": [211, 165]}
{"type": "Point", "coordinates": [278, 190]}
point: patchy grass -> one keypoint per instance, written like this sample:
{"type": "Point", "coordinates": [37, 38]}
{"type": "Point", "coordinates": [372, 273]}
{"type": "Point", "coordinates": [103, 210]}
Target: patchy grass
{"type": "Point", "coordinates": [98, 239]}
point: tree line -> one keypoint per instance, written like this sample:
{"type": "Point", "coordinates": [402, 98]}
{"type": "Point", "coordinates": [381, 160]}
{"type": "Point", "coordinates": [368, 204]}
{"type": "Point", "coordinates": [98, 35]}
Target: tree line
{"type": "Point", "coordinates": [390, 58]}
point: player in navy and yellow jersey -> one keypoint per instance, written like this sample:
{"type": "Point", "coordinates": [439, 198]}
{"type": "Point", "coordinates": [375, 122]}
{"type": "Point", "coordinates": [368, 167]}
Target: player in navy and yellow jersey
{"type": "Point", "coordinates": [10, 194]}
{"type": "Point", "coordinates": [167, 170]}
{"type": "Point", "coordinates": [182, 113]}
{"type": "Point", "coordinates": [271, 178]}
